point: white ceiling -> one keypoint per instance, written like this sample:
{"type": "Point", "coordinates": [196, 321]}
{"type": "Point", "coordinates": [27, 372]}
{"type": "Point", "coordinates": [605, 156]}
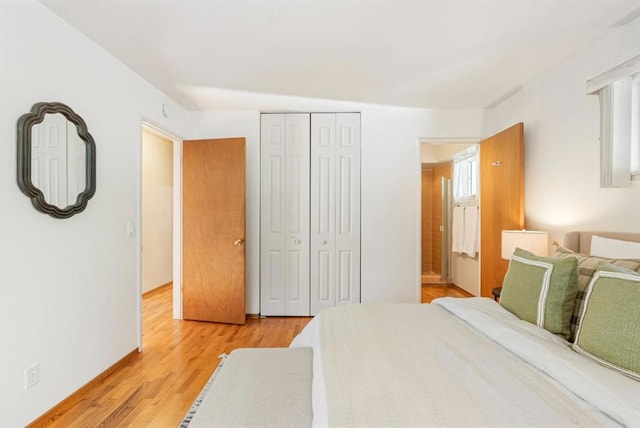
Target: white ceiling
{"type": "Point", "coordinates": [429, 53]}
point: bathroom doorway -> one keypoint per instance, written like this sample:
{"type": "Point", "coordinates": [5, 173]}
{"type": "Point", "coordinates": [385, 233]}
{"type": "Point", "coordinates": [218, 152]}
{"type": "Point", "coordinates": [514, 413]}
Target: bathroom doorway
{"type": "Point", "coordinates": [437, 172]}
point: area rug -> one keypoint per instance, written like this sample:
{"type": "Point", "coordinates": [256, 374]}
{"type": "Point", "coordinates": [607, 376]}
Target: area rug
{"type": "Point", "coordinates": [194, 407]}
{"type": "Point", "coordinates": [266, 387]}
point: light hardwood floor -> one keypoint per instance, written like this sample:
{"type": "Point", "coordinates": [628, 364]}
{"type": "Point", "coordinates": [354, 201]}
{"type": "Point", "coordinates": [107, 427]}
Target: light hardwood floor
{"type": "Point", "coordinates": [155, 388]}
{"type": "Point", "coordinates": [433, 291]}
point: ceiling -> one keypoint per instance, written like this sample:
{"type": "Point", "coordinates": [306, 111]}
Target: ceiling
{"type": "Point", "coordinates": [429, 53]}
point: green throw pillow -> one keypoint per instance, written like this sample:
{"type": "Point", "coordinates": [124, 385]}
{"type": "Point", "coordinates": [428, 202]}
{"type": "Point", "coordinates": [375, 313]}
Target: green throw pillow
{"type": "Point", "coordinates": [586, 268]}
{"type": "Point", "coordinates": [609, 330]}
{"type": "Point", "coordinates": [541, 290]}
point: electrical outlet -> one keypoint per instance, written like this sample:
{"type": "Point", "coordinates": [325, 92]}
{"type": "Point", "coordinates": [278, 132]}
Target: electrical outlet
{"type": "Point", "coordinates": [31, 376]}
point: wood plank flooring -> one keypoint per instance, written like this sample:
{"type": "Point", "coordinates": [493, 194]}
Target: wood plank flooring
{"type": "Point", "coordinates": [433, 291]}
{"type": "Point", "coordinates": [155, 388]}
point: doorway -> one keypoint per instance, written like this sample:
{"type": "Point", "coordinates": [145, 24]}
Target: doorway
{"type": "Point", "coordinates": [159, 218]}
{"type": "Point", "coordinates": [437, 261]}
{"type": "Point", "coordinates": [156, 226]}
{"type": "Point", "coordinates": [436, 206]}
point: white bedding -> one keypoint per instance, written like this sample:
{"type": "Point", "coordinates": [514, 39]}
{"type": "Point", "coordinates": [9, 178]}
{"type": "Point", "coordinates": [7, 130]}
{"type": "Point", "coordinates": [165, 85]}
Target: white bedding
{"type": "Point", "coordinates": [456, 362]}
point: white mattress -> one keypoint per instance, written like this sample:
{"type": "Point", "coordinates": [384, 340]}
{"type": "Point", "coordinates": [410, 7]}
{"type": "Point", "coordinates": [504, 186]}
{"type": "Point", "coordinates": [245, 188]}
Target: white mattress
{"type": "Point", "coordinates": [455, 362]}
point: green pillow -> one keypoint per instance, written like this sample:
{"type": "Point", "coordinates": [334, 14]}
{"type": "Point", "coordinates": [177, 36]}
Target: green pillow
{"type": "Point", "coordinates": [586, 268]}
{"type": "Point", "coordinates": [609, 330]}
{"type": "Point", "coordinates": [541, 290]}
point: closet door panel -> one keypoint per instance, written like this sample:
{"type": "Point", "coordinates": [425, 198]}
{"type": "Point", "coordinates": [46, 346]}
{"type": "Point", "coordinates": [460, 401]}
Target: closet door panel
{"type": "Point", "coordinates": [310, 218]}
{"type": "Point", "coordinates": [272, 269]}
{"type": "Point", "coordinates": [346, 284]}
{"type": "Point", "coordinates": [323, 214]}
{"type": "Point", "coordinates": [272, 215]}
{"type": "Point", "coordinates": [297, 143]}
{"type": "Point", "coordinates": [324, 270]}
{"type": "Point", "coordinates": [347, 235]}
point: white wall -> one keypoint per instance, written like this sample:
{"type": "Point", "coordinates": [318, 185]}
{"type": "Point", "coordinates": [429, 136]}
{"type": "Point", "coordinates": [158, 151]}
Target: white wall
{"type": "Point", "coordinates": [561, 124]}
{"type": "Point", "coordinates": [157, 211]}
{"type": "Point", "coordinates": [69, 298]}
{"type": "Point", "coordinates": [390, 188]}
{"type": "Point", "coordinates": [440, 152]}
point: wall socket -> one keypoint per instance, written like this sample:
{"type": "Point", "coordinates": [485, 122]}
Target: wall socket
{"type": "Point", "coordinates": [31, 376]}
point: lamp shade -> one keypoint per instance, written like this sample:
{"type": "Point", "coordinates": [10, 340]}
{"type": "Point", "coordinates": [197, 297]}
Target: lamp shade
{"type": "Point", "coordinates": [530, 240]}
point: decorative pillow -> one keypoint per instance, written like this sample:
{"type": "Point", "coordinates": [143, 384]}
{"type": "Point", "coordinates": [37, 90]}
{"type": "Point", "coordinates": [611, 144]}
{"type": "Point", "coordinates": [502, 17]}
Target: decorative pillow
{"type": "Point", "coordinates": [609, 330]}
{"type": "Point", "coordinates": [586, 268]}
{"type": "Point", "coordinates": [614, 248]}
{"type": "Point", "coordinates": [541, 290]}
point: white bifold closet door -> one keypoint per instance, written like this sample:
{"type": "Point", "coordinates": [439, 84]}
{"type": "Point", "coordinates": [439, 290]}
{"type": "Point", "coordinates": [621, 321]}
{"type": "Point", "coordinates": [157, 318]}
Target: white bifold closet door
{"type": "Point", "coordinates": [335, 210]}
{"type": "Point", "coordinates": [284, 215]}
{"type": "Point", "coordinates": [309, 212]}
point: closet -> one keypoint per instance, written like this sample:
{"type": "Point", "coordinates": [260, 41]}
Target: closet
{"type": "Point", "coordinates": [309, 212]}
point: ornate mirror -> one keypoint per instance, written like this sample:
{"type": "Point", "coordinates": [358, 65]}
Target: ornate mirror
{"type": "Point", "coordinates": [56, 160]}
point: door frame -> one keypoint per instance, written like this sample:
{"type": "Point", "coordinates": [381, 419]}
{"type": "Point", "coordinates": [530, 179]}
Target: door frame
{"type": "Point", "coordinates": [177, 223]}
{"type": "Point", "coordinates": [435, 141]}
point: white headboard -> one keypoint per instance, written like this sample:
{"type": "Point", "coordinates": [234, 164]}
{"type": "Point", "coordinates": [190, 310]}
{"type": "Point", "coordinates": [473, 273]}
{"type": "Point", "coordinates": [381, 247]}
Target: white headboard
{"type": "Point", "coordinates": [580, 242]}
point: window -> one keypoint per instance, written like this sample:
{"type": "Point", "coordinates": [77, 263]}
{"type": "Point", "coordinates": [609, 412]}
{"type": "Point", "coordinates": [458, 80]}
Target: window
{"type": "Point", "coordinates": [619, 93]}
{"type": "Point", "coordinates": [465, 176]}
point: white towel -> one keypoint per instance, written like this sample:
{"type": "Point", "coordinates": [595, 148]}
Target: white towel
{"type": "Point", "coordinates": [457, 231]}
{"type": "Point", "coordinates": [470, 231]}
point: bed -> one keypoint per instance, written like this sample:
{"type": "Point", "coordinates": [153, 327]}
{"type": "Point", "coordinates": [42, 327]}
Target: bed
{"type": "Point", "coordinates": [560, 349]}
{"type": "Point", "coordinates": [470, 362]}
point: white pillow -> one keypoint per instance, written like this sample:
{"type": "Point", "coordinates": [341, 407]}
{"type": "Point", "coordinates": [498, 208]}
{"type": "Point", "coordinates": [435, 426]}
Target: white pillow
{"type": "Point", "coordinates": [614, 248]}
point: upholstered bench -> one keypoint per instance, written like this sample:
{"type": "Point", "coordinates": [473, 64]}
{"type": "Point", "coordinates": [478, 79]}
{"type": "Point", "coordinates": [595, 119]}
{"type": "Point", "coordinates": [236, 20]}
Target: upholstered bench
{"type": "Point", "coordinates": [266, 387]}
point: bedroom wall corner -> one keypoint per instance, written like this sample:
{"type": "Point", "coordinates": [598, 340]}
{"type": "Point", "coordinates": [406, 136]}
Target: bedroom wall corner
{"type": "Point", "coordinates": [71, 296]}
{"type": "Point", "coordinates": [391, 194]}
{"type": "Point", "coordinates": [562, 183]}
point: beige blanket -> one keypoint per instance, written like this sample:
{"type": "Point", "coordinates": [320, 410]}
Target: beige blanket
{"type": "Point", "coordinates": [418, 365]}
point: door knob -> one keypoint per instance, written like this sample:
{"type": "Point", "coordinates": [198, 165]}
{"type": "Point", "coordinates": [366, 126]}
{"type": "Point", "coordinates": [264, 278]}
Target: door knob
{"type": "Point", "coordinates": [238, 242]}
{"type": "Point", "coordinates": [323, 242]}
{"type": "Point", "coordinates": [297, 241]}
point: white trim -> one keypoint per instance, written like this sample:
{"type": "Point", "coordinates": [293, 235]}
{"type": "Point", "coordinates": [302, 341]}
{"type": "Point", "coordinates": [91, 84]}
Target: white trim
{"type": "Point", "coordinates": [626, 69]}
{"type": "Point", "coordinates": [615, 134]}
{"type": "Point", "coordinates": [177, 221]}
{"type": "Point", "coordinates": [158, 131]}
{"type": "Point", "coordinates": [605, 363]}
{"type": "Point", "coordinates": [138, 238]}
{"type": "Point", "coordinates": [419, 226]}
{"type": "Point", "coordinates": [619, 275]}
{"type": "Point", "coordinates": [449, 140]}
{"type": "Point", "coordinates": [177, 229]}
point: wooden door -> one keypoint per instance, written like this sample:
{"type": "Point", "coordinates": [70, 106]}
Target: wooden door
{"type": "Point", "coordinates": [213, 230]}
{"type": "Point", "coordinates": [501, 200]}
{"type": "Point", "coordinates": [284, 214]}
